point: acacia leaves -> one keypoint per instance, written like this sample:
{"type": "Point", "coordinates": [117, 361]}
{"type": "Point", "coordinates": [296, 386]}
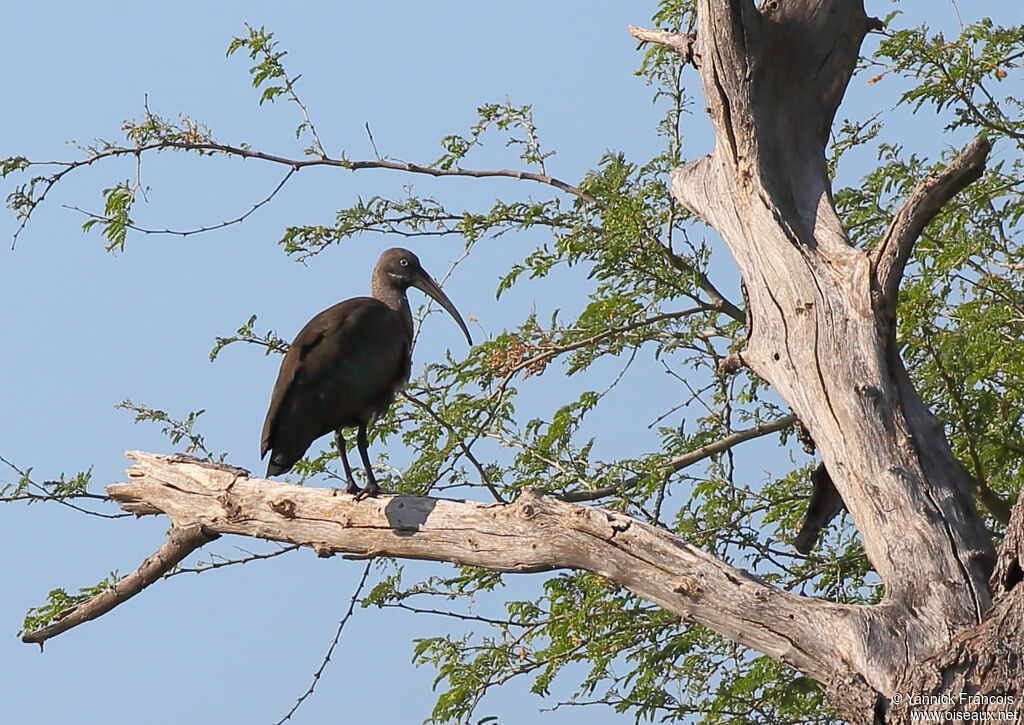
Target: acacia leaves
{"type": "Point", "coordinates": [59, 601]}
{"type": "Point", "coordinates": [972, 76]}
{"type": "Point", "coordinates": [960, 311]}
{"type": "Point", "coordinates": [503, 117]}
{"type": "Point", "coordinates": [269, 76]}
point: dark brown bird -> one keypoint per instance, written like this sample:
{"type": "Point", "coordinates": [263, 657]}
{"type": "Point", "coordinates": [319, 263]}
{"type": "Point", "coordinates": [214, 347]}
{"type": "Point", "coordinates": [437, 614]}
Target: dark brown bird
{"type": "Point", "coordinates": [345, 367]}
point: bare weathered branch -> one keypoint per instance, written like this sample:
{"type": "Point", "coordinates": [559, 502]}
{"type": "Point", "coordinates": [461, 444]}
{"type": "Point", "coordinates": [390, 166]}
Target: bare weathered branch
{"type": "Point", "coordinates": [183, 540]}
{"type": "Point", "coordinates": [681, 43]}
{"type": "Point", "coordinates": [535, 533]}
{"type": "Point", "coordinates": [824, 505]}
{"type": "Point", "coordinates": [890, 257]}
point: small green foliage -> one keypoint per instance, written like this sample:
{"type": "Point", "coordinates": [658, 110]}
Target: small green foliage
{"type": "Point", "coordinates": [65, 487]}
{"type": "Point", "coordinates": [423, 216]}
{"type": "Point", "coordinates": [269, 76]}
{"type": "Point", "coordinates": [503, 117]}
{"type": "Point", "coordinates": [269, 340]}
{"type": "Point", "coordinates": [11, 164]}
{"type": "Point", "coordinates": [116, 219]}
{"type": "Point", "coordinates": [58, 601]}
{"type": "Point", "coordinates": [19, 489]}
{"type": "Point", "coordinates": [960, 75]}
{"type": "Point", "coordinates": [262, 48]}
{"type": "Point", "coordinates": [175, 430]}
{"type": "Point", "coordinates": [62, 489]}
{"type": "Point", "coordinates": [25, 197]}
{"type": "Point", "coordinates": [154, 130]}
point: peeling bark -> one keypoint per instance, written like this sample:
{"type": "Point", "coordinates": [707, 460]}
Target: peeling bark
{"type": "Point", "coordinates": [982, 671]}
{"type": "Point", "coordinates": [821, 320]}
{"type": "Point", "coordinates": [535, 533]}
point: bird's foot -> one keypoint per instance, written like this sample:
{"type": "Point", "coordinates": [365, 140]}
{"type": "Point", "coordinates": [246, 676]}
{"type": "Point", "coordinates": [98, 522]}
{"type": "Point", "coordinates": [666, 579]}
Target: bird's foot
{"type": "Point", "coordinates": [352, 488]}
{"type": "Point", "coordinates": [371, 491]}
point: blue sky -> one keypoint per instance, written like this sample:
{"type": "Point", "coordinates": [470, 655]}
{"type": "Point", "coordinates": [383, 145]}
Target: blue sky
{"type": "Point", "coordinates": [85, 329]}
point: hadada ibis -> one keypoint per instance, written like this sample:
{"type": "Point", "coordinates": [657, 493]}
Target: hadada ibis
{"type": "Point", "coordinates": [345, 367]}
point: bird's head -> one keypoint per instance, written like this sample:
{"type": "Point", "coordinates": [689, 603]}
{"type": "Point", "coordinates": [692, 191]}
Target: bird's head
{"type": "Point", "coordinates": [401, 268]}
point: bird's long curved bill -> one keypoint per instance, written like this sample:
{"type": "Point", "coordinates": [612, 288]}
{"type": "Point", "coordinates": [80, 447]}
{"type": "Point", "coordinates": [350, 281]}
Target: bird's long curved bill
{"type": "Point", "coordinates": [429, 286]}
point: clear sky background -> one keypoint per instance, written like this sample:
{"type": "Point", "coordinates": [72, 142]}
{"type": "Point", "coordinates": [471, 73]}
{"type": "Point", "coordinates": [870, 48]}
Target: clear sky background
{"type": "Point", "coordinates": [83, 329]}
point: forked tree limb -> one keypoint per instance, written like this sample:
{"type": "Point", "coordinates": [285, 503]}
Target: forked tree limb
{"type": "Point", "coordinates": [890, 257]}
{"type": "Point", "coordinates": [534, 533]}
{"type": "Point", "coordinates": [183, 540]}
{"type": "Point", "coordinates": [774, 74]}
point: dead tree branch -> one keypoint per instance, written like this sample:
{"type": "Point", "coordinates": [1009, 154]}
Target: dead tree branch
{"type": "Point", "coordinates": [534, 533]}
{"type": "Point", "coordinates": [681, 43]}
{"type": "Point", "coordinates": [182, 541]}
{"type": "Point", "coordinates": [890, 257]}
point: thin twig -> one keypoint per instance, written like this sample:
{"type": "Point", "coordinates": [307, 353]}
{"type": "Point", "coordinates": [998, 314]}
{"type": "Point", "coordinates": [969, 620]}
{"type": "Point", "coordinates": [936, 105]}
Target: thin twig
{"type": "Point", "coordinates": [465, 617]}
{"type": "Point", "coordinates": [688, 459]}
{"type": "Point", "coordinates": [609, 333]}
{"type": "Point", "coordinates": [197, 230]}
{"type": "Point", "coordinates": [201, 567]}
{"type": "Point", "coordinates": [48, 495]}
{"type": "Point", "coordinates": [330, 649]}
{"type": "Point", "coordinates": [466, 451]}
{"type": "Point", "coordinates": [373, 145]}
{"type": "Point", "coordinates": [211, 147]}
{"type": "Point", "coordinates": [289, 85]}
{"type": "Point", "coordinates": [42, 498]}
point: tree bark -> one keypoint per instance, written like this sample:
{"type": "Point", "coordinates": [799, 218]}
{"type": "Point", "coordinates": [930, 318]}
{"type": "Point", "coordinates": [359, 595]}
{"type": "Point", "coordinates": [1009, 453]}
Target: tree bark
{"type": "Point", "coordinates": [541, 533]}
{"type": "Point", "coordinates": [982, 671]}
{"type": "Point", "coordinates": [822, 329]}
{"type": "Point", "coordinates": [535, 533]}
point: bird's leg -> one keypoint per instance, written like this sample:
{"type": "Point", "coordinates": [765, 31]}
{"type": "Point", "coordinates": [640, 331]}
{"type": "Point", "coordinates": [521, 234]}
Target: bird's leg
{"type": "Point", "coordinates": [372, 488]}
{"type": "Point", "coordinates": [339, 441]}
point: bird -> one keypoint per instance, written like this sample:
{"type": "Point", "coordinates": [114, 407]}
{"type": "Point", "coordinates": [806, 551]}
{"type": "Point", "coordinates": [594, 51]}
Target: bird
{"type": "Point", "coordinates": [346, 366]}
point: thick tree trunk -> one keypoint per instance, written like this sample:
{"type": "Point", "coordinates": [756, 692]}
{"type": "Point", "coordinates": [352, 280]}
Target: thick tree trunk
{"type": "Point", "coordinates": [822, 317]}
{"type": "Point", "coordinates": [982, 671]}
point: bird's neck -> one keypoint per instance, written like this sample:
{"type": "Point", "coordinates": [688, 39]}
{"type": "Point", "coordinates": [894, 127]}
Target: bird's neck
{"type": "Point", "coordinates": [394, 298]}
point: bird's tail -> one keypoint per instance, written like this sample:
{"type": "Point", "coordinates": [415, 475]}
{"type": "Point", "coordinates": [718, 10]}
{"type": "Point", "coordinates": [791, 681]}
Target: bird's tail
{"type": "Point", "coordinates": [274, 468]}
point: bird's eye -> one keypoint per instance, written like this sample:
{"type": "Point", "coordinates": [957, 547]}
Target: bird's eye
{"type": "Point", "coordinates": [404, 262]}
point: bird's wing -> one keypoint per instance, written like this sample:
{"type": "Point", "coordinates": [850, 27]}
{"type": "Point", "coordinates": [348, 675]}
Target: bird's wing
{"type": "Point", "coordinates": [325, 363]}
{"type": "Point", "coordinates": [292, 370]}
{"type": "Point", "coordinates": [351, 374]}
